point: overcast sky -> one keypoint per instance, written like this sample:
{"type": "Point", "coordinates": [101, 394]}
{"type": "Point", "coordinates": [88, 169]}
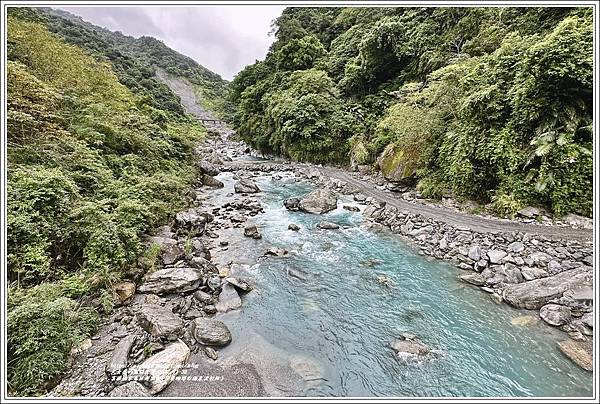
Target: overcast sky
{"type": "Point", "coordinates": [222, 38]}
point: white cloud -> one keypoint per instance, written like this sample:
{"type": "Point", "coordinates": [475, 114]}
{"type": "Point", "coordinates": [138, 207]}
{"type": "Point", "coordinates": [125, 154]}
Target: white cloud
{"type": "Point", "coordinates": [222, 38]}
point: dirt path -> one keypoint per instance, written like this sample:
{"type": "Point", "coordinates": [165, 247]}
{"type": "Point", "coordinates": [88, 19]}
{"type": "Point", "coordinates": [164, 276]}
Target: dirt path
{"type": "Point", "coordinates": [458, 219]}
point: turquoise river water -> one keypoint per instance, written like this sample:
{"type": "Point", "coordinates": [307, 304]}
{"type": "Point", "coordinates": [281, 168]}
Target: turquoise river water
{"type": "Point", "coordinates": [336, 315]}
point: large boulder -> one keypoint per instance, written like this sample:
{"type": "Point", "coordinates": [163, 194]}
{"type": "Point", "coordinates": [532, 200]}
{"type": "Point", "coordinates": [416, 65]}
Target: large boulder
{"type": "Point", "coordinates": [208, 331]}
{"type": "Point", "coordinates": [172, 280]}
{"type": "Point", "coordinates": [534, 294]}
{"type": "Point", "coordinates": [171, 254]}
{"type": "Point", "coordinates": [162, 368]}
{"type": "Point", "coordinates": [229, 299]}
{"type": "Point", "coordinates": [396, 165]}
{"type": "Point", "coordinates": [319, 201]}
{"type": "Point", "coordinates": [246, 186]}
{"type": "Point", "coordinates": [251, 230]}
{"type": "Point", "coordinates": [159, 321]}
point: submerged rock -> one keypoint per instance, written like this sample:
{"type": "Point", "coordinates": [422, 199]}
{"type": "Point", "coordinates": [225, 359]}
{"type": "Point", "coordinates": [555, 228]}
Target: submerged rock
{"type": "Point", "coordinates": [162, 368]}
{"type": "Point", "coordinates": [208, 331]}
{"type": "Point", "coordinates": [246, 186]}
{"type": "Point", "coordinates": [172, 280]}
{"type": "Point", "coordinates": [579, 352]}
{"type": "Point", "coordinates": [408, 346]}
{"type": "Point", "coordinates": [319, 201]}
{"type": "Point", "coordinates": [293, 227]}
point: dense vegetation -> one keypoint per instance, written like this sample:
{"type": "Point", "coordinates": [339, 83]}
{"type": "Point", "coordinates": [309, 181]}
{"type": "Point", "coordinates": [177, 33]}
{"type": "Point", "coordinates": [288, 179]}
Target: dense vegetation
{"type": "Point", "coordinates": [92, 165]}
{"type": "Point", "coordinates": [135, 61]}
{"type": "Point", "coordinates": [493, 104]}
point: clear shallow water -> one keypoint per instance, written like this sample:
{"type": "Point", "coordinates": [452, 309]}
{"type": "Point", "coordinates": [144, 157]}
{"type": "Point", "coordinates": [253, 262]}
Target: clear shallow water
{"type": "Point", "coordinates": [336, 324]}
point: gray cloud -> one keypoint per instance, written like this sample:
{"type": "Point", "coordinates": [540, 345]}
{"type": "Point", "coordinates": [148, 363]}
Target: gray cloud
{"type": "Point", "coordinates": [222, 38]}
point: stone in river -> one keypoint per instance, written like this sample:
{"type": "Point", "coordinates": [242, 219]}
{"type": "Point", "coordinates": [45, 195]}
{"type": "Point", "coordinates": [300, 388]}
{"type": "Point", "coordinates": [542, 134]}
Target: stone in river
{"type": "Point", "coordinates": [246, 186]}
{"type": "Point", "coordinates": [408, 346]}
{"type": "Point", "coordinates": [251, 230]}
{"type": "Point", "coordinates": [474, 279]}
{"type": "Point", "coordinates": [293, 227]}
{"type": "Point", "coordinates": [208, 331]}
{"type": "Point", "coordinates": [291, 204]}
{"type": "Point", "coordinates": [162, 368]}
{"type": "Point", "coordinates": [319, 201]}
{"type": "Point", "coordinates": [211, 182]}
{"type": "Point", "coordinates": [239, 283]}
{"type": "Point", "coordinates": [579, 352]}
{"type": "Point", "coordinates": [208, 168]}
{"type": "Point", "coordinates": [324, 225]}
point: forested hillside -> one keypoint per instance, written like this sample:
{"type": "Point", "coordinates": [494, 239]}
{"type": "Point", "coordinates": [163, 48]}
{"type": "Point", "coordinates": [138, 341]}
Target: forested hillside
{"type": "Point", "coordinates": [493, 104]}
{"type": "Point", "coordinates": [99, 153]}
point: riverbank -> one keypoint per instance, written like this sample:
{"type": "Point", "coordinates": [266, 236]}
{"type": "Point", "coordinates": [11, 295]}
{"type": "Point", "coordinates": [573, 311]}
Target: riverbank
{"type": "Point", "coordinates": [164, 325]}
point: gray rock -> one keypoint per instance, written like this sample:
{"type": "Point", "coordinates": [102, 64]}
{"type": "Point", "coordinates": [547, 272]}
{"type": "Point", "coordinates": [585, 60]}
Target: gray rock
{"type": "Point", "coordinates": [172, 280]}
{"type": "Point", "coordinates": [246, 186]}
{"type": "Point", "coordinates": [474, 279]}
{"type": "Point", "coordinates": [420, 231]}
{"type": "Point", "coordinates": [530, 274]}
{"type": "Point", "coordinates": [118, 359]}
{"type": "Point", "coordinates": [276, 252]}
{"type": "Point", "coordinates": [554, 267]}
{"type": "Point", "coordinates": [474, 253]}
{"type": "Point", "coordinates": [131, 389]}
{"type": "Point", "coordinates": [516, 247]}
{"type": "Point", "coordinates": [588, 319]}
{"type": "Point", "coordinates": [159, 321]}
{"type": "Point", "coordinates": [228, 298]}
{"type": "Point", "coordinates": [513, 274]}
{"type": "Point", "coordinates": [208, 331]}
{"type": "Point", "coordinates": [172, 254]}
{"type": "Point", "coordinates": [293, 227]}
{"type": "Point", "coordinates": [251, 230]}
{"type": "Point", "coordinates": [407, 346]}
{"type": "Point", "coordinates": [239, 283]}
{"type": "Point", "coordinates": [328, 225]}
{"type": "Point", "coordinates": [162, 368]}
{"type": "Point", "coordinates": [319, 201]}
{"type": "Point", "coordinates": [529, 212]}
{"type": "Point", "coordinates": [539, 258]}
{"type": "Point", "coordinates": [203, 297]}
{"type": "Point", "coordinates": [291, 204]}
{"type": "Point", "coordinates": [351, 208]}
{"type": "Point", "coordinates": [211, 182]}
{"type": "Point", "coordinates": [534, 294]}
{"type": "Point", "coordinates": [443, 245]}
{"type": "Point", "coordinates": [192, 221]}
{"type": "Point", "coordinates": [209, 168]}
{"type": "Point", "coordinates": [579, 352]}
{"type": "Point", "coordinates": [496, 256]}
{"type": "Point", "coordinates": [555, 314]}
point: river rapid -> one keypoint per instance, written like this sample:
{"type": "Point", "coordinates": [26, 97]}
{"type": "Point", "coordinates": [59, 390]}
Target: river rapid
{"type": "Point", "coordinates": [330, 308]}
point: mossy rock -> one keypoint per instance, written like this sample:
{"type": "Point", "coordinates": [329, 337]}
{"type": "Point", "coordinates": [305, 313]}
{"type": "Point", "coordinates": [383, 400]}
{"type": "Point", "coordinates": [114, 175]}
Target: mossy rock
{"type": "Point", "coordinates": [397, 165]}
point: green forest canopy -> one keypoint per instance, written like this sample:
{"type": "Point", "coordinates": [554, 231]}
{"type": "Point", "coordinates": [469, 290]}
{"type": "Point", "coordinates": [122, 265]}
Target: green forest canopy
{"type": "Point", "coordinates": [493, 104]}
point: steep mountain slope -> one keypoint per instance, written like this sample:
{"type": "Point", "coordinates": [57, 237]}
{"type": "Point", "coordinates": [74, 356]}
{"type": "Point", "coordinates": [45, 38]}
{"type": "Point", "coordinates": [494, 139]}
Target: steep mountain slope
{"type": "Point", "coordinates": [493, 104]}
{"type": "Point", "coordinates": [99, 153]}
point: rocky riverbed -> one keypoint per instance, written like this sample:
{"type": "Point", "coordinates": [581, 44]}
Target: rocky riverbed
{"type": "Point", "coordinates": [172, 323]}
